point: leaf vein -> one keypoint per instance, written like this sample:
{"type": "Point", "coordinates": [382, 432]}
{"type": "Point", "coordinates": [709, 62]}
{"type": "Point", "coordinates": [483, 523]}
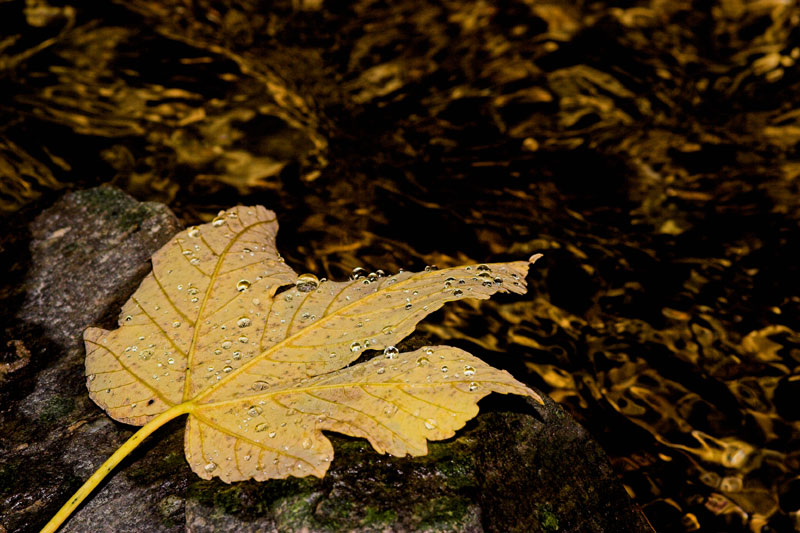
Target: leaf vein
{"type": "Point", "coordinates": [378, 422]}
{"type": "Point", "coordinates": [222, 429]}
{"type": "Point", "coordinates": [156, 324]}
{"type": "Point", "coordinates": [211, 283]}
{"type": "Point", "coordinates": [130, 371]}
{"type": "Point", "coordinates": [171, 303]}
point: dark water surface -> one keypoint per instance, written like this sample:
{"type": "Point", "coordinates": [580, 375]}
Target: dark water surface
{"type": "Point", "coordinates": [651, 151]}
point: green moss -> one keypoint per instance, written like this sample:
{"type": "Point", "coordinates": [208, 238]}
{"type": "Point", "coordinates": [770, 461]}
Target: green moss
{"type": "Point", "coordinates": [214, 493]}
{"type": "Point", "coordinates": [351, 445]}
{"type": "Point", "coordinates": [55, 408]}
{"type": "Point", "coordinates": [547, 519]}
{"type": "Point", "coordinates": [170, 510]}
{"type": "Point", "coordinates": [336, 512]}
{"type": "Point", "coordinates": [251, 499]}
{"type": "Point", "coordinates": [442, 513]}
{"type": "Point", "coordinates": [227, 499]}
{"type": "Point", "coordinates": [376, 517]}
{"type": "Point", "coordinates": [113, 205]}
{"type": "Point", "coordinates": [457, 470]}
{"type": "Point", "coordinates": [294, 513]}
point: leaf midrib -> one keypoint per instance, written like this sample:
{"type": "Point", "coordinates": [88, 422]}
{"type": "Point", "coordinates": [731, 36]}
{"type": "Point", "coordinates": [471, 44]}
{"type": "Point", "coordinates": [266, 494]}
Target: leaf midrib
{"type": "Point", "coordinates": [265, 354]}
{"type": "Point", "coordinates": [212, 280]}
{"type": "Point", "coordinates": [297, 390]}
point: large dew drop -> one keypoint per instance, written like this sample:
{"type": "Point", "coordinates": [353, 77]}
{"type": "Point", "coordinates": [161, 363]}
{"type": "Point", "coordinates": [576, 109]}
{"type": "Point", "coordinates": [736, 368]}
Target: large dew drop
{"type": "Point", "coordinates": [390, 352]}
{"type": "Point", "coordinates": [243, 285]}
{"type": "Point", "coordinates": [260, 385]}
{"type": "Point", "coordinates": [358, 272]}
{"type": "Point", "coordinates": [307, 282]}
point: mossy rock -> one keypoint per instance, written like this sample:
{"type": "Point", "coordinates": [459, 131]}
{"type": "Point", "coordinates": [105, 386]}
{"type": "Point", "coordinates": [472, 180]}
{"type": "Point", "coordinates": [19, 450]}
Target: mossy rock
{"type": "Point", "coordinates": [519, 466]}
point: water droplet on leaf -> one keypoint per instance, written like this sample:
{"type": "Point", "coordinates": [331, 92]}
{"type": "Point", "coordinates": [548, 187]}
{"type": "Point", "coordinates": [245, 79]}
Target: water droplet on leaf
{"type": "Point", "coordinates": [260, 385]}
{"type": "Point", "coordinates": [390, 352]}
{"type": "Point", "coordinates": [307, 282]}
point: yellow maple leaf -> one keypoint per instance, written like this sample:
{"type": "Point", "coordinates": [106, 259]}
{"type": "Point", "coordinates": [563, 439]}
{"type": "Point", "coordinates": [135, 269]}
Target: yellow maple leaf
{"type": "Point", "coordinates": [262, 373]}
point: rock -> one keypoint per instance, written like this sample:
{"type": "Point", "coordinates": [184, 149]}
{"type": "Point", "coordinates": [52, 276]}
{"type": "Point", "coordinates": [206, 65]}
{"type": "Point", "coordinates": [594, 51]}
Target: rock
{"type": "Point", "coordinates": [518, 466]}
{"type": "Point", "coordinates": [88, 253]}
{"type": "Point", "coordinates": [533, 469]}
{"type": "Point", "coordinates": [89, 250]}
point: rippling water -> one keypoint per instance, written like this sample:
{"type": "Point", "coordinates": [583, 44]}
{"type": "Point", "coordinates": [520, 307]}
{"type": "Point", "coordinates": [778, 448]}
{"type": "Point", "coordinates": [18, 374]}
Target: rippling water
{"type": "Point", "coordinates": [648, 149]}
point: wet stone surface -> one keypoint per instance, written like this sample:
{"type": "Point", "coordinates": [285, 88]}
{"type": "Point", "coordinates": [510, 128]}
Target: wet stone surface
{"type": "Point", "coordinates": [517, 467]}
{"type": "Point", "coordinates": [531, 468]}
{"type": "Point", "coordinates": [88, 252]}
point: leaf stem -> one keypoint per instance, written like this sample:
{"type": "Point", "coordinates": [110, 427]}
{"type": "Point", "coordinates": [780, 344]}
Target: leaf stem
{"type": "Point", "coordinates": [117, 457]}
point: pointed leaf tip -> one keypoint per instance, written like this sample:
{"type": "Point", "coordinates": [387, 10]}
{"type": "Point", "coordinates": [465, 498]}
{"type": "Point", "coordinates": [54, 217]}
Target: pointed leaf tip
{"type": "Point", "coordinates": [535, 257]}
